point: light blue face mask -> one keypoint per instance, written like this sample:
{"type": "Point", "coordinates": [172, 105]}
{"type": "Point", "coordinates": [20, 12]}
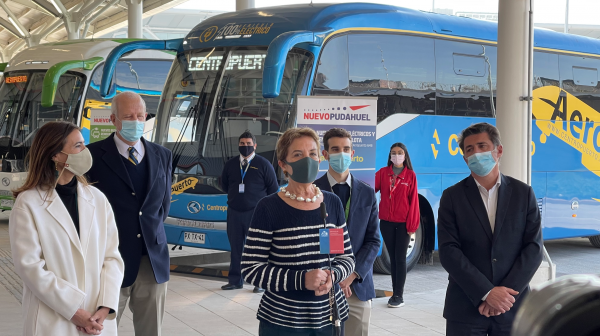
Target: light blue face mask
{"type": "Point", "coordinates": [481, 163]}
{"type": "Point", "coordinates": [340, 162]}
{"type": "Point", "coordinates": [131, 130]}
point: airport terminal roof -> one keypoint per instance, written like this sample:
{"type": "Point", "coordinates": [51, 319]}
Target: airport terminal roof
{"type": "Point", "coordinates": [29, 22]}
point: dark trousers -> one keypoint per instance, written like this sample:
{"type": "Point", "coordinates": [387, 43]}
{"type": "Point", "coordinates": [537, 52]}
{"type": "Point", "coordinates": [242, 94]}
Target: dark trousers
{"type": "Point", "coordinates": [396, 240]}
{"type": "Point", "coordinates": [491, 328]}
{"type": "Point", "coordinates": [270, 329]}
{"type": "Point", "coordinates": [238, 224]}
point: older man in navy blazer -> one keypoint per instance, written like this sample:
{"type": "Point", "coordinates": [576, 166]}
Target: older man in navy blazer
{"type": "Point", "coordinates": [135, 176]}
{"type": "Point", "coordinates": [362, 220]}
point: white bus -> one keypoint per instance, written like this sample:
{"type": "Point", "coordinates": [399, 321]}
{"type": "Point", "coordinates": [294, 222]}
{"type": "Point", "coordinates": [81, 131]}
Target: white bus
{"type": "Point", "coordinates": [60, 81]}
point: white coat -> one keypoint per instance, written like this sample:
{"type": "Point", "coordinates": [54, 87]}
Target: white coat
{"type": "Point", "coordinates": [61, 271]}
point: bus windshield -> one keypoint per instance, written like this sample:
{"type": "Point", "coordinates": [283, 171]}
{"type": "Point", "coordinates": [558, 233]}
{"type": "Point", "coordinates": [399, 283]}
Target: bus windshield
{"type": "Point", "coordinates": [214, 95]}
{"type": "Point", "coordinates": [21, 110]}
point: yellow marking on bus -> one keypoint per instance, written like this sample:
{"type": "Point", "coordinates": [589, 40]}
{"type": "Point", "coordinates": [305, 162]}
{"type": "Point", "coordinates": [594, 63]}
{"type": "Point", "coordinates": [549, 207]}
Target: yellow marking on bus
{"type": "Point", "coordinates": [554, 117]}
{"type": "Point", "coordinates": [197, 270]}
{"type": "Point", "coordinates": [172, 267]}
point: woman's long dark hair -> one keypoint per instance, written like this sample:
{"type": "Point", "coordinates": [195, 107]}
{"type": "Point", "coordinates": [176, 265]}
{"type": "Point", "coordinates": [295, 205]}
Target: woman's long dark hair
{"type": "Point", "coordinates": [407, 162]}
{"type": "Point", "coordinates": [49, 140]}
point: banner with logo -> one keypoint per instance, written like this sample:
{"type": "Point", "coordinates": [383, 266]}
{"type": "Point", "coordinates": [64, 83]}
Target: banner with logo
{"type": "Point", "coordinates": [100, 125]}
{"type": "Point", "coordinates": [357, 115]}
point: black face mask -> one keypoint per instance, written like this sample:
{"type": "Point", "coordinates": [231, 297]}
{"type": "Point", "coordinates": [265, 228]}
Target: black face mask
{"type": "Point", "coordinates": [246, 150]}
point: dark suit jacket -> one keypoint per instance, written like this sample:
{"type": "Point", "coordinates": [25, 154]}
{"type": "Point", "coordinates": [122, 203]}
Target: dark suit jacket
{"type": "Point", "coordinates": [363, 229]}
{"type": "Point", "coordinates": [478, 260]}
{"type": "Point", "coordinates": [109, 174]}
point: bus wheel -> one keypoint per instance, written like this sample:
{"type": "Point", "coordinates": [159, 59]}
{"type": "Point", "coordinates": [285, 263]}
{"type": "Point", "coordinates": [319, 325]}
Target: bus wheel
{"type": "Point", "coordinates": [595, 240]}
{"type": "Point", "coordinates": [383, 264]}
{"type": "Point", "coordinates": [415, 247]}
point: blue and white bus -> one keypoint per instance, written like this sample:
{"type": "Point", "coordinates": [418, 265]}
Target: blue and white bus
{"type": "Point", "coordinates": [433, 75]}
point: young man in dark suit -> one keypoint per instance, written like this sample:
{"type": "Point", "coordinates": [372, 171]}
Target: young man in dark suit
{"type": "Point", "coordinates": [135, 176]}
{"type": "Point", "coordinates": [246, 178]}
{"type": "Point", "coordinates": [490, 240]}
{"type": "Point", "coordinates": [360, 204]}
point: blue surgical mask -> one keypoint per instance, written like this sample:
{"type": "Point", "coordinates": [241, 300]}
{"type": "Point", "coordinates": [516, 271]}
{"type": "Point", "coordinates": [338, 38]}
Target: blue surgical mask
{"type": "Point", "coordinates": [131, 130]}
{"type": "Point", "coordinates": [481, 163]}
{"type": "Point", "coordinates": [340, 162]}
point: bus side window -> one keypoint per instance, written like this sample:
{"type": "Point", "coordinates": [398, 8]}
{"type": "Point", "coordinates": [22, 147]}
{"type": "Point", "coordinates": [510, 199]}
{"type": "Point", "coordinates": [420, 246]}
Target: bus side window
{"type": "Point", "coordinates": [398, 69]}
{"type": "Point", "coordinates": [545, 70]}
{"type": "Point", "coordinates": [579, 77]}
{"type": "Point", "coordinates": [331, 78]}
{"type": "Point", "coordinates": [465, 75]}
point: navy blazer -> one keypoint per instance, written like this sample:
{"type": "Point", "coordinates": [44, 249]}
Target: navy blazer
{"type": "Point", "coordinates": [109, 174]}
{"type": "Point", "coordinates": [363, 229]}
{"type": "Point", "coordinates": [478, 260]}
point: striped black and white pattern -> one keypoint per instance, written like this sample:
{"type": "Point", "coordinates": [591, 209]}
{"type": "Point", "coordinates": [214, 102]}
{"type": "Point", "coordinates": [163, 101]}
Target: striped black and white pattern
{"type": "Point", "coordinates": [281, 247]}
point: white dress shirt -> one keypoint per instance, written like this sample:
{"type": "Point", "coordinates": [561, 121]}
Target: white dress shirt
{"type": "Point", "coordinates": [490, 200]}
{"type": "Point", "coordinates": [333, 181]}
{"type": "Point", "coordinates": [123, 149]}
{"type": "Point", "coordinates": [242, 158]}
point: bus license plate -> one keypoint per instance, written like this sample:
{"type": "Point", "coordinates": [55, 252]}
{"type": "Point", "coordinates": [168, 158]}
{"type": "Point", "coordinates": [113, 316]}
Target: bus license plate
{"type": "Point", "coordinates": [194, 237]}
{"type": "Point", "coordinates": [7, 203]}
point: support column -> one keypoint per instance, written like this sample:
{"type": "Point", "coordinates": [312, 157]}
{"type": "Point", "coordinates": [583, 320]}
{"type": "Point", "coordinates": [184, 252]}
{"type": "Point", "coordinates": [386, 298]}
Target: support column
{"type": "Point", "coordinates": [566, 30]}
{"type": "Point", "coordinates": [134, 18]}
{"type": "Point", "coordinates": [515, 59]}
{"type": "Point", "coordinates": [244, 4]}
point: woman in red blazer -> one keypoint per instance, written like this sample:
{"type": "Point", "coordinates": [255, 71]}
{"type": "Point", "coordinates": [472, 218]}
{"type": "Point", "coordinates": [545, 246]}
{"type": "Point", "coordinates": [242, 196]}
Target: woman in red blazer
{"type": "Point", "coordinates": [398, 213]}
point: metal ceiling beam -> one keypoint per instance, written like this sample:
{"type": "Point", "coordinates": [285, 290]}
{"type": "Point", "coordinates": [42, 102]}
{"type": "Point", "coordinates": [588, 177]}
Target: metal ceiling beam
{"type": "Point", "coordinates": [14, 20]}
{"type": "Point", "coordinates": [10, 27]}
{"type": "Point", "coordinates": [42, 5]}
{"type": "Point", "coordinates": [95, 16]}
{"type": "Point", "coordinates": [119, 20]}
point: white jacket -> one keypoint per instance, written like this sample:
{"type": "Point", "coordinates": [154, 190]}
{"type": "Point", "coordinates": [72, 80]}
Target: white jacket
{"type": "Point", "coordinates": [61, 271]}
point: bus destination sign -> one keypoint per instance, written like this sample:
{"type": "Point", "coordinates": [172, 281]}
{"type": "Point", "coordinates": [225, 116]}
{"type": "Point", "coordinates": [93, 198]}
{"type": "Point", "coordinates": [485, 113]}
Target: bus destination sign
{"type": "Point", "coordinates": [15, 79]}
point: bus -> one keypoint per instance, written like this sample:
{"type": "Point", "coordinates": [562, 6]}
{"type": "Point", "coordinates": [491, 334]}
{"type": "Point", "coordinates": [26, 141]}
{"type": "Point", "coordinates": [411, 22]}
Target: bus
{"type": "Point", "coordinates": [432, 74]}
{"type": "Point", "coordinates": [61, 81]}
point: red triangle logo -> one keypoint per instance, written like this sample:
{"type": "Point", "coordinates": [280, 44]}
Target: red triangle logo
{"type": "Point", "coordinates": [354, 108]}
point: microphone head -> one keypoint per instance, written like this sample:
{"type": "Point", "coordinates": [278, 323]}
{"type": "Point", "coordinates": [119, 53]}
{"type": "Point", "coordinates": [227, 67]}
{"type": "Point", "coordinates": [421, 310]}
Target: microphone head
{"type": "Point", "coordinates": [323, 210]}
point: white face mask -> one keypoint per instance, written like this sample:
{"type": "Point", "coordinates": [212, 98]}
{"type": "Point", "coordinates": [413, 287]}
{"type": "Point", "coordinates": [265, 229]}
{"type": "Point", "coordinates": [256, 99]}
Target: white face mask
{"type": "Point", "coordinates": [79, 163]}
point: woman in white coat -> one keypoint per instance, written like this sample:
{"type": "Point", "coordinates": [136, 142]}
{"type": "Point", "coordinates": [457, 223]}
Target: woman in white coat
{"type": "Point", "coordinates": [64, 240]}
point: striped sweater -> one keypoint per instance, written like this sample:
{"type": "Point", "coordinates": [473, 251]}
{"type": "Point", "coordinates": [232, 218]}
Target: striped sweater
{"type": "Point", "coordinates": [281, 247]}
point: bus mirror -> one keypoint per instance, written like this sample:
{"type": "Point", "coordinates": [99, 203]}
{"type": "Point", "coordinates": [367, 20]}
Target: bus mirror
{"type": "Point", "coordinates": [53, 76]}
{"type": "Point", "coordinates": [277, 55]}
{"type": "Point", "coordinates": [112, 59]}
{"type": "Point", "coordinates": [86, 112]}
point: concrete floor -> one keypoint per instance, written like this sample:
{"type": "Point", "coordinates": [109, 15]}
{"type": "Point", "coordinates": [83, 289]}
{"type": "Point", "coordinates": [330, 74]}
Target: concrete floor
{"type": "Point", "coordinates": [196, 305]}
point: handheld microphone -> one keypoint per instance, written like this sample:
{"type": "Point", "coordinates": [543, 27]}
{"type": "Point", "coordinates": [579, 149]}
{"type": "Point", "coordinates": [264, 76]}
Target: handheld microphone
{"type": "Point", "coordinates": [323, 209]}
{"type": "Point", "coordinates": [337, 322]}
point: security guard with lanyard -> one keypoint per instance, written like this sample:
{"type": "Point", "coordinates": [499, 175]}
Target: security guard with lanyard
{"type": "Point", "coordinates": [246, 178]}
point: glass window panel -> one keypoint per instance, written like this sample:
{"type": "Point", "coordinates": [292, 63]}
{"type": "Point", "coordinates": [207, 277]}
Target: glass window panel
{"type": "Point", "coordinates": [469, 94]}
{"type": "Point", "coordinates": [399, 69]}
{"type": "Point", "coordinates": [332, 71]}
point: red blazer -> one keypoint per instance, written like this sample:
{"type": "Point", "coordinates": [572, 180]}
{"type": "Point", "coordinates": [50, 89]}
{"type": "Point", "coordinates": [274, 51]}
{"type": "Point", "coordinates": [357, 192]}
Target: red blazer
{"type": "Point", "coordinates": [400, 205]}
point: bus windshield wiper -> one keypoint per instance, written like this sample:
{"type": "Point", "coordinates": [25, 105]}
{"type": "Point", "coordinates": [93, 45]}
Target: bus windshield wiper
{"type": "Point", "coordinates": [193, 115]}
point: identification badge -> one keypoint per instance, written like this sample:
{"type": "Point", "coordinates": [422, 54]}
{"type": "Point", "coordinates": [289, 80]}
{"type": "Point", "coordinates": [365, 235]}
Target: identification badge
{"type": "Point", "coordinates": [241, 190]}
{"type": "Point", "coordinates": [331, 241]}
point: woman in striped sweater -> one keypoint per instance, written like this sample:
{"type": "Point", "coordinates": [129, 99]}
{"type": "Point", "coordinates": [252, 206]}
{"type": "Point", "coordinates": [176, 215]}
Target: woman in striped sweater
{"type": "Point", "coordinates": [282, 252]}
